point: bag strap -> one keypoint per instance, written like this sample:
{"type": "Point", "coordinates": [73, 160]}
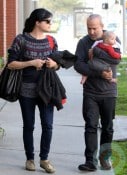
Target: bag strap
{"type": "Point", "coordinates": [22, 48]}
{"type": "Point", "coordinates": [51, 41]}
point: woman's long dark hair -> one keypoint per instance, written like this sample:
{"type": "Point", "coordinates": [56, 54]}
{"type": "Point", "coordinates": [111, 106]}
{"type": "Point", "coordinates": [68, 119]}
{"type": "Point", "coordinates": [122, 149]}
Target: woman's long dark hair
{"type": "Point", "coordinates": [37, 15]}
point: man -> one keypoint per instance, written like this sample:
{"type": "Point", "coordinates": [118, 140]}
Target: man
{"type": "Point", "coordinates": [99, 98]}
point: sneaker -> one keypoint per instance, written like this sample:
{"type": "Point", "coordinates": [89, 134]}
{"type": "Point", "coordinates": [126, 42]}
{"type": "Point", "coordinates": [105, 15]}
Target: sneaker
{"type": "Point", "coordinates": [47, 166]}
{"type": "Point", "coordinates": [87, 167]}
{"type": "Point", "coordinates": [30, 166]}
{"type": "Point", "coordinates": [105, 163]}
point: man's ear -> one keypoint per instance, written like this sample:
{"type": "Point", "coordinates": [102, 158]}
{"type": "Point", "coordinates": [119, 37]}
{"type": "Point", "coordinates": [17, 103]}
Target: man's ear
{"type": "Point", "coordinates": [102, 25]}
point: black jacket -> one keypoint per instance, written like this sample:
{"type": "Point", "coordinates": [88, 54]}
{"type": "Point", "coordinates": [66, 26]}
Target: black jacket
{"type": "Point", "coordinates": [49, 86]}
{"type": "Point", "coordinates": [99, 63]}
{"type": "Point", "coordinates": [64, 58]}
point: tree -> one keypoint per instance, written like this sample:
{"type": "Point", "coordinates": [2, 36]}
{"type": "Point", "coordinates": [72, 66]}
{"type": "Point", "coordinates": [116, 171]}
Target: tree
{"type": "Point", "coordinates": [58, 6]}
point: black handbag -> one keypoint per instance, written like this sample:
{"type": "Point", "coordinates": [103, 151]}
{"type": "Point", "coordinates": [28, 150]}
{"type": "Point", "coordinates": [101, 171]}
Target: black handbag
{"type": "Point", "coordinates": [10, 82]}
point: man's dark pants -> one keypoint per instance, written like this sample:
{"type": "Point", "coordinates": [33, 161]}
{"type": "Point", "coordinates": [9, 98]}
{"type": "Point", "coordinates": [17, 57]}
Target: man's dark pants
{"type": "Point", "coordinates": [93, 109]}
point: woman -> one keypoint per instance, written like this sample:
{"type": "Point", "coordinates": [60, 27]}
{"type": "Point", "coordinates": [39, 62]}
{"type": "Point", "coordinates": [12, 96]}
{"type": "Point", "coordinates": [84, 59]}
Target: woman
{"type": "Point", "coordinates": [36, 52]}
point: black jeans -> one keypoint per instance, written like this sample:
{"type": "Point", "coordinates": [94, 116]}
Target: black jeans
{"type": "Point", "coordinates": [28, 106]}
{"type": "Point", "coordinates": [93, 109]}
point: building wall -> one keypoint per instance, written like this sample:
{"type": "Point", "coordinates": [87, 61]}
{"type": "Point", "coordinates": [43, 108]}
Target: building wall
{"type": "Point", "coordinates": [11, 23]}
{"type": "Point", "coordinates": [12, 16]}
{"type": "Point", "coordinates": [8, 24]}
{"type": "Point", "coordinates": [1, 27]}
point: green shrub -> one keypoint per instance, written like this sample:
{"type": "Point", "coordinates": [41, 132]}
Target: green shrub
{"type": "Point", "coordinates": [121, 104]}
{"type": "Point", "coordinates": [1, 62]}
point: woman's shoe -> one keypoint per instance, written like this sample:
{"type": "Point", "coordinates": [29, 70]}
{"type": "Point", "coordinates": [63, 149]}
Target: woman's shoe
{"type": "Point", "coordinates": [47, 166]}
{"type": "Point", "coordinates": [30, 166]}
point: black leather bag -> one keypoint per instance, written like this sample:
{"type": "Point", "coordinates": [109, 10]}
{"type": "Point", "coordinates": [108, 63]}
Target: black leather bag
{"type": "Point", "coordinates": [10, 82]}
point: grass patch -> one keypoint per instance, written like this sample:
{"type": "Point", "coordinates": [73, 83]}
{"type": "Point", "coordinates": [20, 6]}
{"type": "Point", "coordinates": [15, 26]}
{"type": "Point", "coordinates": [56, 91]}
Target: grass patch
{"type": "Point", "coordinates": [119, 157]}
{"type": "Point", "coordinates": [119, 154]}
{"type": "Point", "coordinates": [121, 103]}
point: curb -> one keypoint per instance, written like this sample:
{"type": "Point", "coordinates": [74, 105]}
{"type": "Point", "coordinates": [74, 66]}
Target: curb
{"type": "Point", "coordinates": [2, 104]}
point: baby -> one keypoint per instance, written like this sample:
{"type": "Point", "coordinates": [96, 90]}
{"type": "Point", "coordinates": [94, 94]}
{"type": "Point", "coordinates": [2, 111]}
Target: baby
{"type": "Point", "coordinates": [107, 44]}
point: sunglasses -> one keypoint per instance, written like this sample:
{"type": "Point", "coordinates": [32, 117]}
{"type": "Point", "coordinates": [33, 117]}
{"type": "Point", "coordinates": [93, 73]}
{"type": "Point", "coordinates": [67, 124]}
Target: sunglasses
{"type": "Point", "coordinates": [48, 21]}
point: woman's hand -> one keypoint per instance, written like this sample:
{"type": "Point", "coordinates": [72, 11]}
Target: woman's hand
{"type": "Point", "coordinates": [51, 64]}
{"type": "Point", "coordinates": [38, 63]}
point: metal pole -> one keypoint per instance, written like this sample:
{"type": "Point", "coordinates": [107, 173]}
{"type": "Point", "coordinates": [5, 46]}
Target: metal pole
{"type": "Point", "coordinates": [124, 26]}
{"type": "Point", "coordinates": [28, 8]}
{"type": "Point", "coordinates": [35, 2]}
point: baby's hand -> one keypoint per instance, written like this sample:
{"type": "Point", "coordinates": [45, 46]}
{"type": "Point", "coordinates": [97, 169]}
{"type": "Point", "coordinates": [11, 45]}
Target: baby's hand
{"type": "Point", "coordinates": [90, 53]}
{"type": "Point", "coordinates": [83, 80]}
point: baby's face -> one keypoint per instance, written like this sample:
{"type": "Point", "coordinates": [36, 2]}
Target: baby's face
{"type": "Point", "coordinates": [111, 40]}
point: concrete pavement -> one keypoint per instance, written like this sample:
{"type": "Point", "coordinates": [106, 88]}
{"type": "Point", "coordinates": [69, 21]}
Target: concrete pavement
{"type": "Point", "coordinates": [67, 146]}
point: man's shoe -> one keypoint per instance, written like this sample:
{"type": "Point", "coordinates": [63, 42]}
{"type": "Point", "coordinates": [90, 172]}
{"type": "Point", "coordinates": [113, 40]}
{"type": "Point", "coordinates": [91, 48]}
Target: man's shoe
{"type": "Point", "coordinates": [47, 166]}
{"type": "Point", "coordinates": [105, 163]}
{"type": "Point", "coordinates": [87, 167]}
{"type": "Point", "coordinates": [30, 166]}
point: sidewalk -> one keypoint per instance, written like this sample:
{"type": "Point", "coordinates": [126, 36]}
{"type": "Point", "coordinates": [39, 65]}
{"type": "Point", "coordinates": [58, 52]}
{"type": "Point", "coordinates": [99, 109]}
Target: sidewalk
{"type": "Point", "coordinates": [67, 146]}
